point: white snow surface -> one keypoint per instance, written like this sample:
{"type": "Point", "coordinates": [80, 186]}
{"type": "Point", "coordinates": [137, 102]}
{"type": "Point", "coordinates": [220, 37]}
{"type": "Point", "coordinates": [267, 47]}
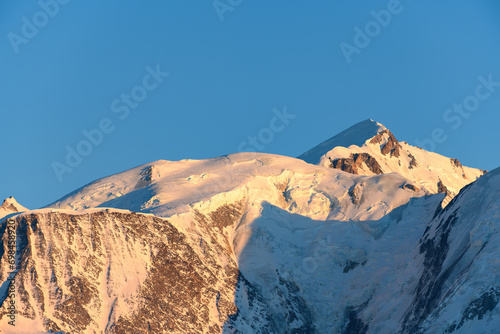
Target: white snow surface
{"type": "Point", "coordinates": [320, 245]}
{"type": "Point", "coordinates": [430, 169]}
{"type": "Point", "coordinates": [373, 265]}
{"type": "Point", "coordinates": [174, 187]}
{"type": "Point", "coordinates": [9, 207]}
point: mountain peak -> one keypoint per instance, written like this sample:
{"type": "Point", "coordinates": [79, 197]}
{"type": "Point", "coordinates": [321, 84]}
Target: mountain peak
{"type": "Point", "coordinates": [357, 134]}
{"type": "Point", "coordinates": [10, 205]}
{"type": "Point", "coordinates": [369, 148]}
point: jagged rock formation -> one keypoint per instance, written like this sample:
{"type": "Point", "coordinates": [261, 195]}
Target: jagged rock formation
{"type": "Point", "coordinates": [371, 143]}
{"type": "Point", "coordinates": [413, 161]}
{"type": "Point", "coordinates": [456, 163]}
{"type": "Point", "coordinates": [390, 146]}
{"type": "Point", "coordinates": [355, 163]}
{"type": "Point", "coordinates": [441, 188]}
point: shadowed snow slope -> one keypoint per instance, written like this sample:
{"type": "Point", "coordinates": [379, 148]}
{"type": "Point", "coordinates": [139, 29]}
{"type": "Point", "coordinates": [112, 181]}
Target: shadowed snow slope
{"type": "Point", "coordinates": [247, 267]}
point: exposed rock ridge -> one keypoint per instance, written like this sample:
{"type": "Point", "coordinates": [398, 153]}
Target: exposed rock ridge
{"type": "Point", "coordinates": [413, 161]}
{"type": "Point", "coordinates": [441, 188]}
{"type": "Point", "coordinates": [391, 147]}
{"type": "Point", "coordinates": [355, 162]}
{"type": "Point", "coordinates": [138, 272]}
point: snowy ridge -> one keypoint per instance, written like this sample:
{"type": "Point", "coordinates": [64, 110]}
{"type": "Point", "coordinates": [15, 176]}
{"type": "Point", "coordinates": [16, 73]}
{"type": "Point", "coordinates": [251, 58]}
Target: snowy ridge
{"type": "Point", "coordinates": [417, 269]}
{"type": "Point", "coordinates": [313, 191]}
{"type": "Point", "coordinates": [10, 206]}
{"type": "Point", "coordinates": [357, 135]}
{"type": "Point", "coordinates": [261, 243]}
{"type": "Point", "coordinates": [379, 152]}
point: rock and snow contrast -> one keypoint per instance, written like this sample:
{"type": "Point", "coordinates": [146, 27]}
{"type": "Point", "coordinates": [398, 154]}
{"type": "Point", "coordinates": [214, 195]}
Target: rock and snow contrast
{"type": "Point", "coordinates": [369, 148]}
{"type": "Point", "coordinates": [355, 236]}
{"type": "Point", "coordinates": [10, 206]}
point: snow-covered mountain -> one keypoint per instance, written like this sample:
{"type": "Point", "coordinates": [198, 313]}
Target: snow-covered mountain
{"type": "Point", "coordinates": [166, 188]}
{"type": "Point", "coordinates": [10, 206]}
{"type": "Point", "coordinates": [260, 243]}
{"type": "Point", "coordinates": [369, 148]}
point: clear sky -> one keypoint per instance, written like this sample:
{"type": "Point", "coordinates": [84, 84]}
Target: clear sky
{"type": "Point", "coordinates": [73, 66]}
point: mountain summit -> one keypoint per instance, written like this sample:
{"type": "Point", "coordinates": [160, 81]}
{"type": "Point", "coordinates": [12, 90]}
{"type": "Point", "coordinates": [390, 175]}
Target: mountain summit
{"type": "Point", "coordinates": [369, 148]}
{"type": "Point", "coordinates": [357, 134]}
{"type": "Point", "coordinates": [358, 242]}
{"type": "Point", "coordinates": [10, 206]}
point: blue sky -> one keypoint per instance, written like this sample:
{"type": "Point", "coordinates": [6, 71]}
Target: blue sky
{"type": "Point", "coordinates": [228, 78]}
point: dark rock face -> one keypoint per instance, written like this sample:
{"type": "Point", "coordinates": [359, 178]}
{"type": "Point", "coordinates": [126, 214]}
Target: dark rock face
{"type": "Point", "coordinates": [391, 147]}
{"type": "Point", "coordinates": [410, 187]}
{"type": "Point", "coordinates": [354, 324]}
{"type": "Point", "coordinates": [378, 138]}
{"type": "Point", "coordinates": [429, 288]}
{"type": "Point", "coordinates": [442, 188]}
{"type": "Point", "coordinates": [413, 161]}
{"type": "Point", "coordinates": [350, 265]}
{"type": "Point", "coordinates": [147, 174]}
{"type": "Point", "coordinates": [356, 193]}
{"type": "Point", "coordinates": [293, 308]}
{"type": "Point", "coordinates": [69, 262]}
{"type": "Point", "coordinates": [478, 308]}
{"type": "Point", "coordinates": [456, 163]}
{"type": "Point", "coordinates": [355, 161]}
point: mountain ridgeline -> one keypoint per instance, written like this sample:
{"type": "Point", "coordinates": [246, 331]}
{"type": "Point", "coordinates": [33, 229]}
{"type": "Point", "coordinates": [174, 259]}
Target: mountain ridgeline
{"type": "Point", "coordinates": [361, 234]}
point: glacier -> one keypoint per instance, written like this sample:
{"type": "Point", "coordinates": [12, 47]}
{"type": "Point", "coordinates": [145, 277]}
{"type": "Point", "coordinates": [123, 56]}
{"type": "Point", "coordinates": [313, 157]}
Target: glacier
{"type": "Point", "coordinates": [262, 243]}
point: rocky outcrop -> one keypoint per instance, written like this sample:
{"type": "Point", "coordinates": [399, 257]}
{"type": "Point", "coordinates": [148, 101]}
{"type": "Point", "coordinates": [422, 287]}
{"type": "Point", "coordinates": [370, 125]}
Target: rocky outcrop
{"type": "Point", "coordinates": [441, 188]}
{"type": "Point", "coordinates": [456, 163]}
{"type": "Point", "coordinates": [149, 174]}
{"type": "Point", "coordinates": [379, 138]}
{"type": "Point", "coordinates": [391, 147]}
{"type": "Point", "coordinates": [8, 206]}
{"type": "Point", "coordinates": [410, 187]}
{"type": "Point", "coordinates": [355, 162]}
{"type": "Point", "coordinates": [413, 161]}
{"type": "Point", "coordinates": [356, 193]}
{"type": "Point", "coordinates": [111, 272]}
{"type": "Point", "coordinates": [423, 168]}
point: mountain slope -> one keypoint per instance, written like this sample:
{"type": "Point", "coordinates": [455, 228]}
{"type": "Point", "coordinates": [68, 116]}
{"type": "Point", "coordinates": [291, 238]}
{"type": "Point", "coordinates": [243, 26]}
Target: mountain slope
{"type": "Point", "coordinates": [261, 243]}
{"type": "Point", "coordinates": [369, 148]}
{"type": "Point", "coordinates": [166, 188]}
{"type": "Point", "coordinates": [357, 135]}
{"type": "Point", "coordinates": [10, 206]}
{"type": "Point", "coordinates": [459, 288]}
{"type": "Point", "coordinates": [121, 272]}
{"type": "Point", "coordinates": [417, 269]}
